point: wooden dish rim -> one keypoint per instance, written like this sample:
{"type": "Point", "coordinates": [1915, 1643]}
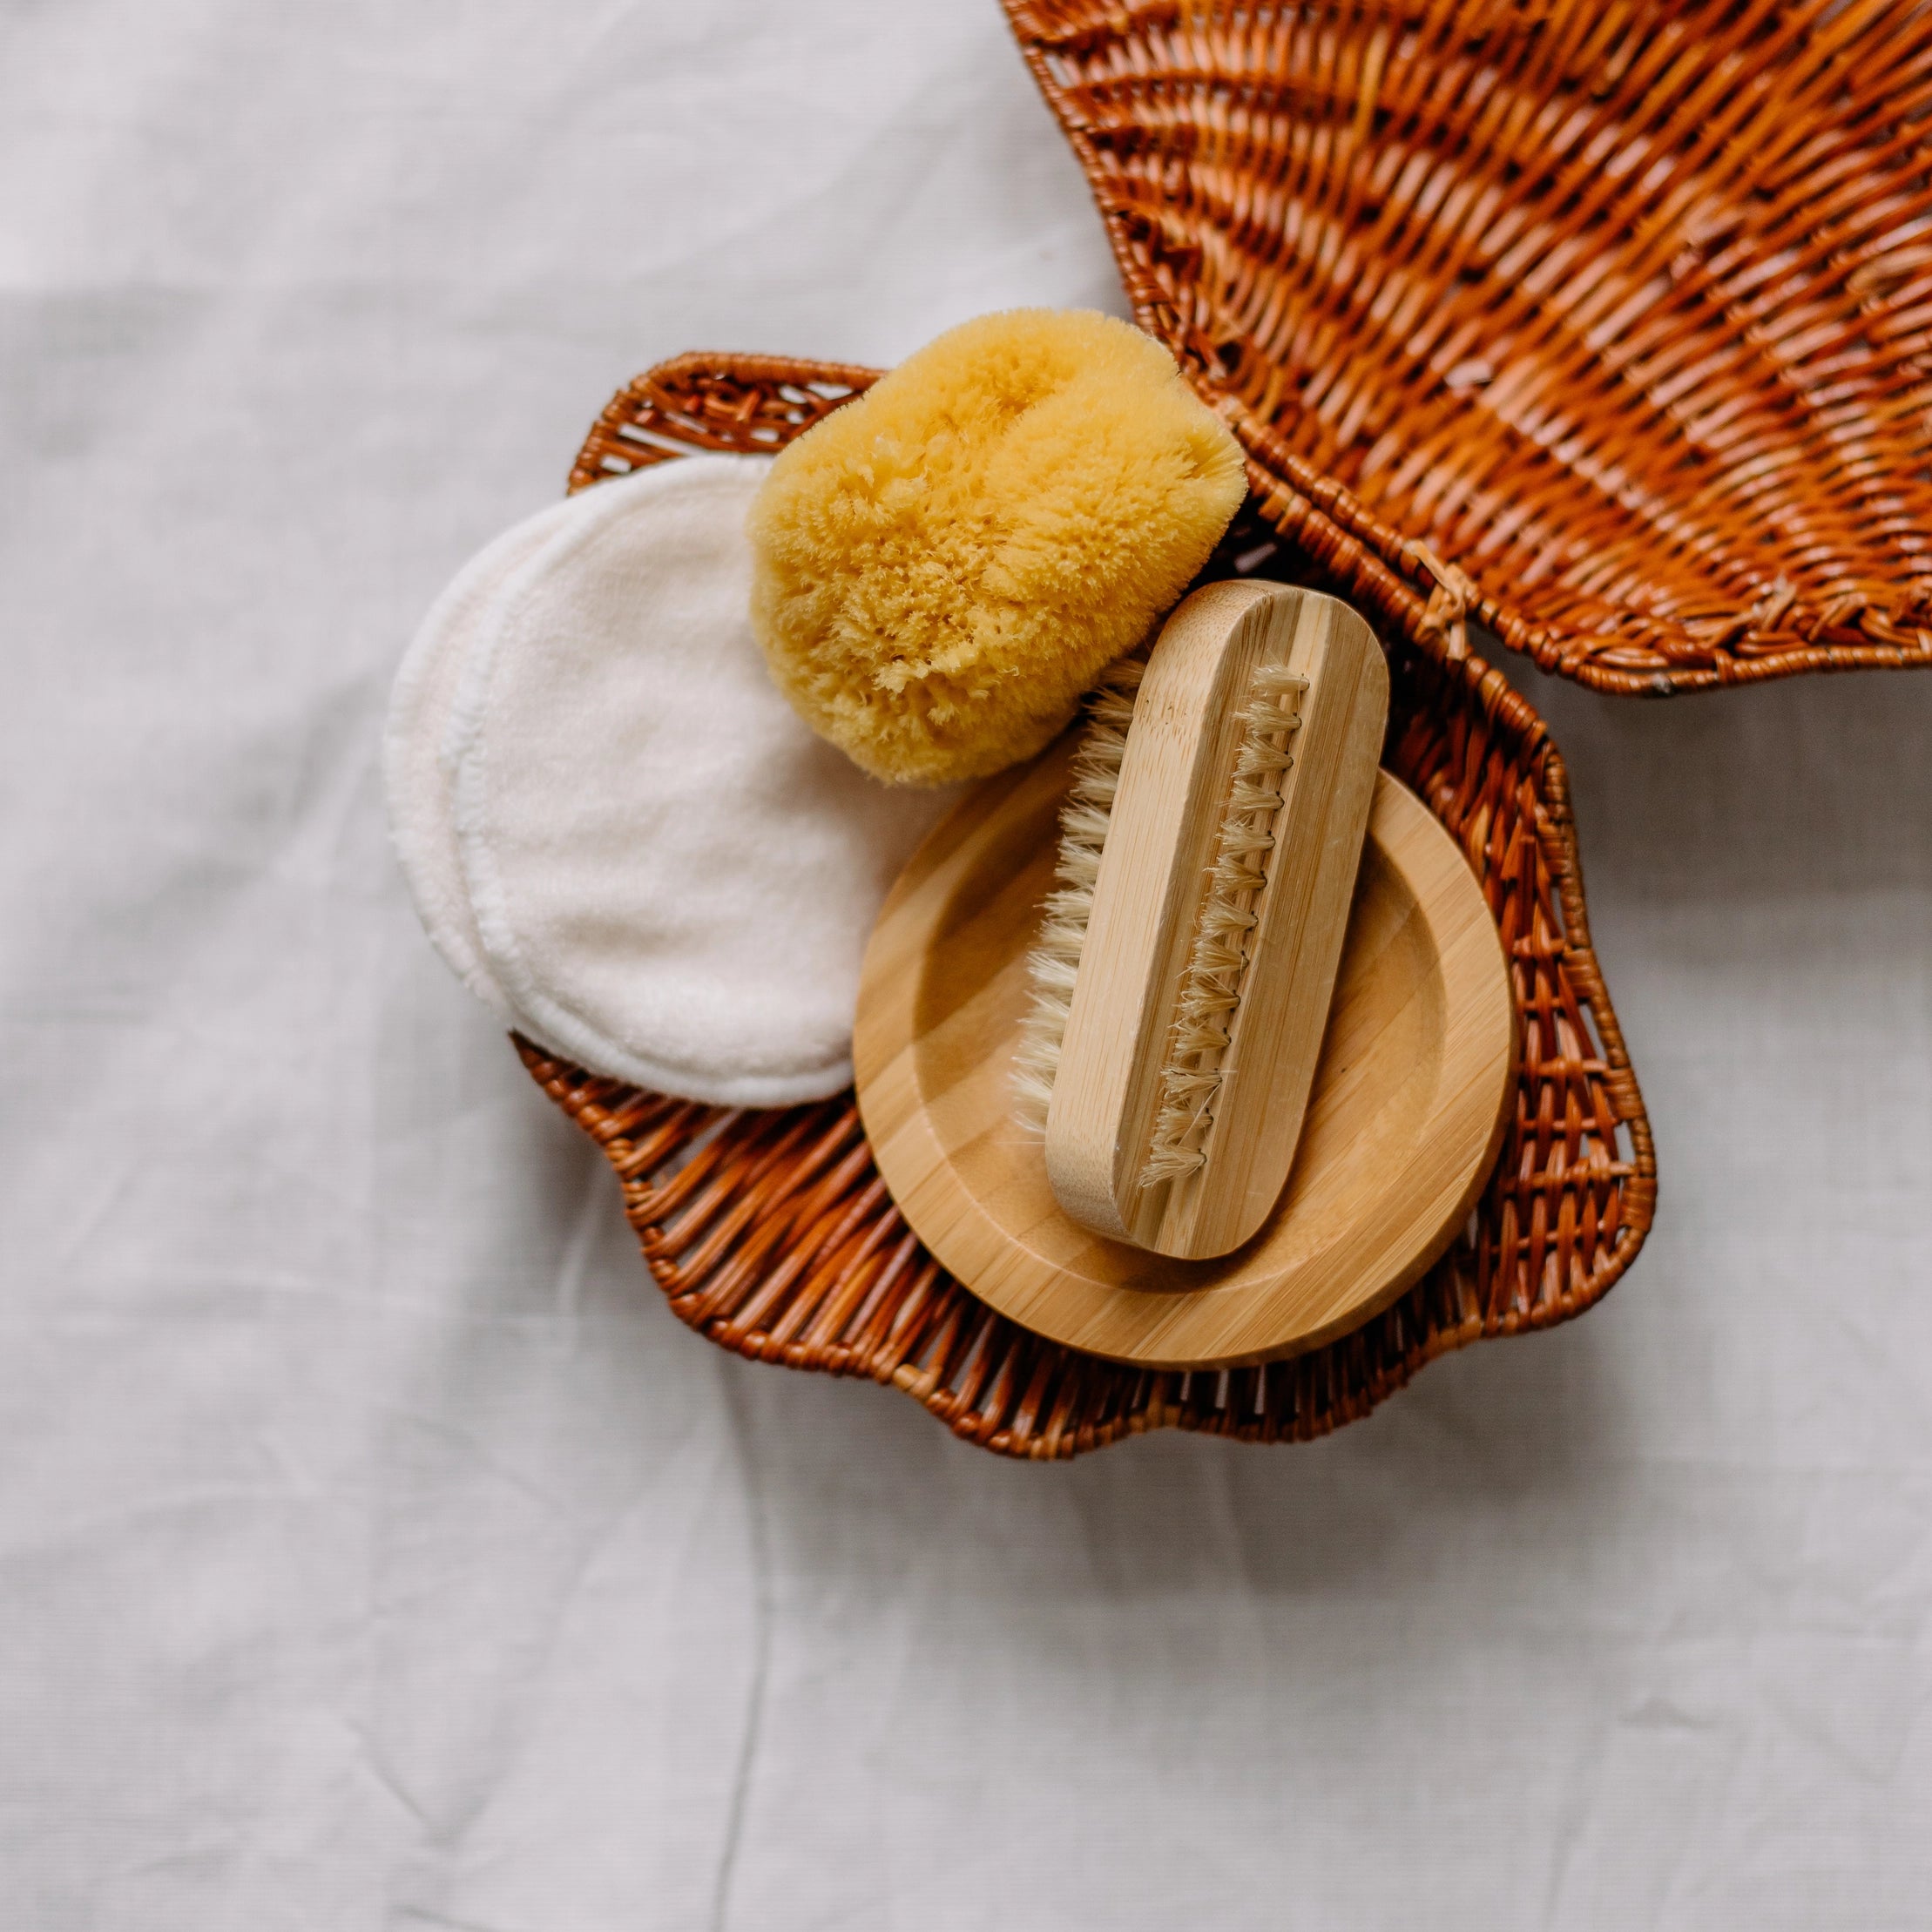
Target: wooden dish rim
{"type": "Point", "coordinates": [956, 1227]}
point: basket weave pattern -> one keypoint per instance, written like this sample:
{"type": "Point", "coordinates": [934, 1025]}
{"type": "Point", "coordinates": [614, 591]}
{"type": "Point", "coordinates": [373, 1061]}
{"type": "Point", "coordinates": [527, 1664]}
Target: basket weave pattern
{"type": "Point", "coordinates": [772, 1234]}
{"type": "Point", "coordinates": [1612, 325]}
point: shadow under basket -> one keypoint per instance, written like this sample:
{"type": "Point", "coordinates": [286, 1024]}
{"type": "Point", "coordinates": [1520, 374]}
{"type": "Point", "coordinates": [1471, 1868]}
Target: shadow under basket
{"type": "Point", "coordinates": [1610, 325]}
{"type": "Point", "coordinates": [772, 1233]}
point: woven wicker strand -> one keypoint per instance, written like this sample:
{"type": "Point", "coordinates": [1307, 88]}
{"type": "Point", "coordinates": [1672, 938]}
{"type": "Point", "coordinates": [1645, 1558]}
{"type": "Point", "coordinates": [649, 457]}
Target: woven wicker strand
{"type": "Point", "coordinates": [772, 1234]}
{"type": "Point", "coordinates": [1625, 311]}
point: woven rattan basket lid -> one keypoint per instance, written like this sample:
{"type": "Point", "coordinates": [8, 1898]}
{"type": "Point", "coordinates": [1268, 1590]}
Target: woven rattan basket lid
{"type": "Point", "coordinates": [1611, 324]}
{"type": "Point", "coordinates": [772, 1233]}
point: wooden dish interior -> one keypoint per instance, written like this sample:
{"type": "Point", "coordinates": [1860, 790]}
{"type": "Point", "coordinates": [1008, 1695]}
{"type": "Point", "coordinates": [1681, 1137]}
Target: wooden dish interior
{"type": "Point", "coordinates": [1404, 1119]}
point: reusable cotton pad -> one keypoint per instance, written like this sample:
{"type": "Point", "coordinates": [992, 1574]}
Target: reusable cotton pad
{"type": "Point", "coordinates": [416, 774]}
{"type": "Point", "coordinates": [673, 877]}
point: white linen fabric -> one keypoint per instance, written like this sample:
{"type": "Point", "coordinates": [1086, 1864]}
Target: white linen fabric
{"type": "Point", "coordinates": [674, 878]}
{"type": "Point", "coordinates": [377, 1551]}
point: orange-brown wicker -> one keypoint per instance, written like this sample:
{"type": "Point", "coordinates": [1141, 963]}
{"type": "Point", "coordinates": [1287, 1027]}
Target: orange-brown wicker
{"type": "Point", "coordinates": [1623, 310]}
{"type": "Point", "coordinates": [772, 1232]}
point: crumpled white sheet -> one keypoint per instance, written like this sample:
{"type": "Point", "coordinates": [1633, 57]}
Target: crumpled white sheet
{"type": "Point", "coordinates": [377, 1551]}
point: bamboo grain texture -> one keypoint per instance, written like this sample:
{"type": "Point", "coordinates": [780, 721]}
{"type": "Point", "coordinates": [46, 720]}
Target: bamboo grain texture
{"type": "Point", "coordinates": [1402, 1124]}
{"type": "Point", "coordinates": [1172, 798]}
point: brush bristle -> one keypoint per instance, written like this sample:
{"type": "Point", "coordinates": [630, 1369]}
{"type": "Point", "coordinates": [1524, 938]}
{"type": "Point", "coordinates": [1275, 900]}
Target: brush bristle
{"type": "Point", "coordinates": [1055, 961]}
{"type": "Point", "coordinates": [1211, 987]}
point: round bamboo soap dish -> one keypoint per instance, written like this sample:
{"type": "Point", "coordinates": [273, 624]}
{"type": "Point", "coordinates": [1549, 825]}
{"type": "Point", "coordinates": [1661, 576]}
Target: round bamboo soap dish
{"type": "Point", "coordinates": [1404, 1119]}
{"type": "Point", "coordinates": [772, 1232]}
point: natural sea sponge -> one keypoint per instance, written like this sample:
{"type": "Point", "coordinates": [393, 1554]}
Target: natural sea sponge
{"type": "Point", "coordinates": [943, 566]}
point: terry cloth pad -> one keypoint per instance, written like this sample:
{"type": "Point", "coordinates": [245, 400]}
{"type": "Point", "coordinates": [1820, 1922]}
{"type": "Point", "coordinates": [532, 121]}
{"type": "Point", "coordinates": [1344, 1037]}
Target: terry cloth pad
{"type": "Point", "coordinates": [674, 878]}
{"type": "Point", "coordinates": [416, 774]}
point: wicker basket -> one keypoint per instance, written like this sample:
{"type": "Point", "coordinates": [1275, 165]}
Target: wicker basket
{"type": "Point", "coordinates": [1625, 311]}
{"type": "Point", "coordinates": [772, 1232]}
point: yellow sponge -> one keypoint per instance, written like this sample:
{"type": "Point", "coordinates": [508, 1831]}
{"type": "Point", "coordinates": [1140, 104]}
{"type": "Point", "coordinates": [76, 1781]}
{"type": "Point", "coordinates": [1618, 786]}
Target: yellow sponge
{"type": "Point", "coordinates": [941, 568]}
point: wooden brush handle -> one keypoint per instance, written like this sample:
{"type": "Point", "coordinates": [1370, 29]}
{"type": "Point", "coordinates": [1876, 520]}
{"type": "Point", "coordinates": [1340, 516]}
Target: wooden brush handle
{"type": "Point", "coordinates": [1177, 780]}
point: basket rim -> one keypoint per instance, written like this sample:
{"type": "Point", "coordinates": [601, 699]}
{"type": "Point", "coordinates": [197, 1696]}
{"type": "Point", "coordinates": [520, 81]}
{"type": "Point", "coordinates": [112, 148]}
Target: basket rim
{"type": "Point", "coordinates": [772, 1234]}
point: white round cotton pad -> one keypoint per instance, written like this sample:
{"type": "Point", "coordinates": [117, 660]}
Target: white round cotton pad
{"type": "Point", "coordinates": [673, 877]}
{"type": "Point", "coordinates": [415, 777]}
